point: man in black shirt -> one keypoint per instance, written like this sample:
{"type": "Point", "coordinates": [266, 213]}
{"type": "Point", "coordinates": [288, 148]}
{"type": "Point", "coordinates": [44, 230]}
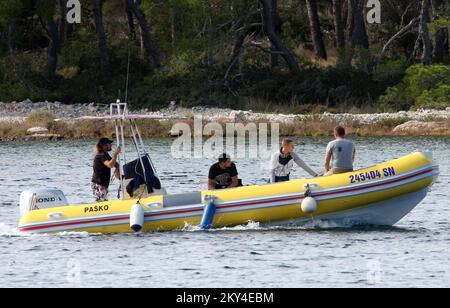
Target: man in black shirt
{"type": "Point", "coordinates": [223, 174]}
{"type": "Point", "coordinates": [103, 163]}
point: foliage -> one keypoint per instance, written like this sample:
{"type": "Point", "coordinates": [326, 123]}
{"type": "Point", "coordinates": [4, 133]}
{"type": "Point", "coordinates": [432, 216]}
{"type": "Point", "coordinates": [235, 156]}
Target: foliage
{"type": "Point", "coordinates": [196, 39]}
{"type": "Point", "coordinates": [423, 86]}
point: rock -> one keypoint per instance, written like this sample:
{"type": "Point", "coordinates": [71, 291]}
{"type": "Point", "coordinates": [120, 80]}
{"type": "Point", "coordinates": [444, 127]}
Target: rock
{"type": "Point", "coordinates": [172, 106]}
{"type": "Point", "coordinates": [198, 109]}
{"type": "Point", "coordinates": [422, 128]}
{"type": "Point", "coordinates": [175, 133]}
{"type": "Point", "coordinates": [238, 116]}
{"type": "Point", "coordinates": [27, 102]}
{"type": "Point", "coordinates": [37, 130]}
{"type": "Point", "coordinates": [36, 137]}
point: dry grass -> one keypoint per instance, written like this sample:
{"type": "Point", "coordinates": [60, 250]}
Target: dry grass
{"type": "Point", "coordinates": [313, 127]}
{"type": "Point", "coordinates": [12, 131]}
{"type": "Point", "coordinates": [306, 51]}
{"type": "Point", "coordinates": [261, 105]}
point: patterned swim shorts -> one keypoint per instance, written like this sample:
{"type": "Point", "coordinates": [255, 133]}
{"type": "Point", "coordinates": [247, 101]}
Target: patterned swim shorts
{"type": "Point", "coordinates": [100, 192]}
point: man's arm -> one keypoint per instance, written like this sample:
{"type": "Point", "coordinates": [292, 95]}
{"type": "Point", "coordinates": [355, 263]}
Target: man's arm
{"type": "Point", "coordinates": [273, 166]}
{"type": "Point", "coordinates": [327, 163]}
{"type": "Point", "coordinates": [211, 184]}
{"type": "Point", "coordinates": [234, 177]}
{"type": "Point", "coordinates": [304, 165]}
{"type": "Point", "coordinates": [272, 176]}
{"type": "Point", "coordinates": [234, 182]}
{"type": "Point", "coordinates": [113, 162]}
{"type": "Point", "coordinates": [211, 179]}
{"type": "Point", "coordinates": [354, 154]}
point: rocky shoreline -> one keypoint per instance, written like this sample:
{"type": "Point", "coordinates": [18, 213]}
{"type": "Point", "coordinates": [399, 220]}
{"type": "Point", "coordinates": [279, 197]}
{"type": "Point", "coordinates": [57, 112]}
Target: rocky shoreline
{"type": "Point", "coordinates": [420, 122]}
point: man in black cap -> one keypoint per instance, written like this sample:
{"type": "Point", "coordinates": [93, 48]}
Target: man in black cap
{"type": "Point", "coordinates": [223, 174]}
{"type": "Point", "coordinates": [103, 163]}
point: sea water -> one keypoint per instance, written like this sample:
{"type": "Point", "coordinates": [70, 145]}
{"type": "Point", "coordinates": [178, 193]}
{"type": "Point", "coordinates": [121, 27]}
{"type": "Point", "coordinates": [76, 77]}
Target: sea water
{"type": "Point", "coordinates": [416, 252]}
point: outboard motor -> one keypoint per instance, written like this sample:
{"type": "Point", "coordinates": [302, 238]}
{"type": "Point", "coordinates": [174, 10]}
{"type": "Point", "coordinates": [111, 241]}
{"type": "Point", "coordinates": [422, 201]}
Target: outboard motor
{"type": "Point", "coordinates": [38, 199]}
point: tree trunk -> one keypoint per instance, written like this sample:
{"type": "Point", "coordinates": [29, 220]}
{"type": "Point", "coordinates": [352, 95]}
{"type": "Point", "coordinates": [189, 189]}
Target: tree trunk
{"type": "Point", "coordinates": [98, 14]}
{"type": "Point", "coordinates": [70, 28]}
{"type": "Point", "coordinates": [269, 30]}
{"type": "Point", "coordinates": [150, 46]}
{"type": "Point", "coordinates": [441, 46]}
{"type": "Point", "coordinates": [130, 19]}
{"type": "Point", "coordinates": [236, 53]}
{"type": "Point", "coordinates": [316, 32]}
{"type": "Point", "coordinates": [10, 39]}
{"type": "Point", "coordinates": [173, 28]}
{"type": "Point", "coordinates": [338, 24]}
{"type": "Point", "coordinates": [424, 32]}
{"type": "Point", "coordinates": [53, 48]}
{"type": "Point", "coordinates": [277, 20]}
{"type": "Point", "coordinates": [359, 36]}
{"type": "Point", "coordinates": [62, 22]}
{"type": "Point", "coordinates": [239, 46]}
{"type": "Point", "coordinates": [441, 52]}
{"type": "Point", "coordinates": [398, 35]}
{"type": "Point", "coordinates": [350, 20]}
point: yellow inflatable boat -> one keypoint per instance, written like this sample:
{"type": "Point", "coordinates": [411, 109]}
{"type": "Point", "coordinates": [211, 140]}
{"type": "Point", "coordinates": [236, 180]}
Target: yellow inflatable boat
{"type": "Point", "coordinates": [378, 196]}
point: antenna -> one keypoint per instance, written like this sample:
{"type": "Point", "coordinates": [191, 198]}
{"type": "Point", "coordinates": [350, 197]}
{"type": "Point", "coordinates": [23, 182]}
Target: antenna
{"type": "Point", "coordinates": [128, 75]}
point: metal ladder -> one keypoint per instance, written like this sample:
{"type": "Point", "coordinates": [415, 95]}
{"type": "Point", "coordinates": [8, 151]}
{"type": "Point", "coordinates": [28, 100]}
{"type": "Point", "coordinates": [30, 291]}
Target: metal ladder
{"type": "Point", "coordinates": [119, 111]}
{"type": "Point", "coordinates": [139, 144]}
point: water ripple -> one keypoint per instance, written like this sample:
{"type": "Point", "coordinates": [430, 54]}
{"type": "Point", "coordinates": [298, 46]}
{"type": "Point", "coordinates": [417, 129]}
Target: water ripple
{"type": "Point", "coordinates": [414, 253]}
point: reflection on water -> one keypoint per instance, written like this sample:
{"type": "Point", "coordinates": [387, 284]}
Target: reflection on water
{"type": "Point", "coordinates": [414, 253]}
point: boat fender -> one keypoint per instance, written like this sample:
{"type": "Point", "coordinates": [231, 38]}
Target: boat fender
{"type": "Point", "coordinates": [137, 217]}
{"type": "Point", "coordinates": [309, 204]}
{"type": "Point", "coordinates": [208, 215]}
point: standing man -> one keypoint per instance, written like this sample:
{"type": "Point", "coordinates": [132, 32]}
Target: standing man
{"type": "Point", "coordinates": [103, 163]}
{"type": "Point", "coordinates": [223, 174]}
{"type": "Point", "coordinates": [283, 161]}
{"type": "Point", "coordinates": [341, 154]}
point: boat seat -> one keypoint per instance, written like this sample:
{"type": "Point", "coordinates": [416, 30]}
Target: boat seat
{"type": "Point", "coordinates": [182, 199]}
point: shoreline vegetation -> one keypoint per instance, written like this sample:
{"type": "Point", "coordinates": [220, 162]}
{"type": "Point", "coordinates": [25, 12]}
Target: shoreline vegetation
{"type": "Point", "coordinates": [55, 121]}
{"type": "Point", "coordinates": [300, 57]}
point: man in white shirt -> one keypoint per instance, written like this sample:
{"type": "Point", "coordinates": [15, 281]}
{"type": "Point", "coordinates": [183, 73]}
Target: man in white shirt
{"type": "Point", "coordinates": [283, 161]}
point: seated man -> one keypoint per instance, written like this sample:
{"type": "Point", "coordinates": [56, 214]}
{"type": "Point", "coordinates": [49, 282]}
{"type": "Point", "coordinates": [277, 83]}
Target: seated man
{"type": "Point", "coordinates": [283, 162]}
{"type": "Point", "coordinates": [341, 154]}
{"type": "Point", "coordinates": [223, 174]}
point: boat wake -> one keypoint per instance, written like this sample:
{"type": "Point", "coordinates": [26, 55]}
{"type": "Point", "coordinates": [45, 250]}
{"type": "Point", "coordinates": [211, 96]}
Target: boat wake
{"type": "Point", "coordinates": [251, 225]}
{"type": "Point", "coordinates": [77, 234]}
{"type": "Point", "coordinates": [312, 226]}
{"type": "Point", "coordinates": [9, 231]}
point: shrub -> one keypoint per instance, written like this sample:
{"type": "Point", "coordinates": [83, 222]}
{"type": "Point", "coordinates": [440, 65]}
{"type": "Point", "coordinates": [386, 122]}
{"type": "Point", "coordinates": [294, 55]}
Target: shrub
{"type": "Point", "coordinates": [422, 86]}
{"type": "Point", "coordinates": [41, 118]}
{"type": "Point", "coordinates": [12, 92]}
{"type": "Point", "coordinates": [438, 98]}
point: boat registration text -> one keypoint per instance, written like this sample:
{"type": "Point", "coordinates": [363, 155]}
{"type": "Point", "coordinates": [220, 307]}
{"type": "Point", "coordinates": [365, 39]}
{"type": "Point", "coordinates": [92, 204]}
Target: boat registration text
{"type": "Point", "coordinates": [372, 175]}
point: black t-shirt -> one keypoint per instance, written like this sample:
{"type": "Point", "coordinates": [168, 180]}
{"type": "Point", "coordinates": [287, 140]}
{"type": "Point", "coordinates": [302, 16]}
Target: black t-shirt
{"type": "Point", "coordinates": [222, 177]}
{"type": "Point", "coordinates": [102, 174]}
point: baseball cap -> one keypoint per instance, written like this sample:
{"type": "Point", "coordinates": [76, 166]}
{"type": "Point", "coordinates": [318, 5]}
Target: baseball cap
{"type": "Point", "coordinates": [224, 157]}
{"type": "Point", "coordinates": [105, 141]}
